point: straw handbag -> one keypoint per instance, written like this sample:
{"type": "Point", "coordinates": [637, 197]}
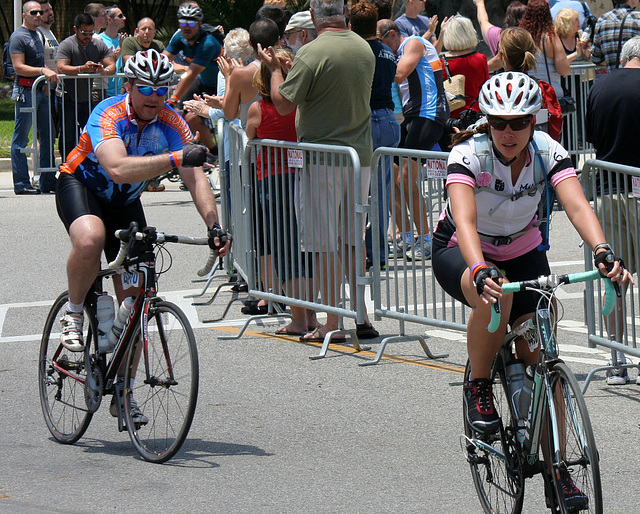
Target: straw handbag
{"type": "Point", "coordinates": [454, 88]}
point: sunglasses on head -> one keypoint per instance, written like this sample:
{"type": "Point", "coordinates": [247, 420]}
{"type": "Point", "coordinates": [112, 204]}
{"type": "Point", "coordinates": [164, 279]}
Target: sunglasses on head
{"type": "Point", "coordinates": [516, 124]}
{"type": "Point", "coordinates": [147, 90]}
{"type": "Point", "coordinates": [187, 23]}
{"type": "Point", "coordinates": [87, 32]}
{"type": "Point", "coordinates": [36, 12]}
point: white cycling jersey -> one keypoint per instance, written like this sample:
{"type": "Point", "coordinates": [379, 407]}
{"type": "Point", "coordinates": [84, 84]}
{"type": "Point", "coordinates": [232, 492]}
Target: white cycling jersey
{"type": "Point", "coordinates": [498, 215]}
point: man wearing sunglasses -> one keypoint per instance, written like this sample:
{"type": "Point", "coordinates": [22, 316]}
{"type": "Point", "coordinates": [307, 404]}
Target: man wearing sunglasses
{"type": "Point", "coordinates": [77, 55]}
{"type": "Point", "coordinates": [129, 139]}
{"type": "Point", "coordinates": [27, 54]}
{"type": "Point", "coordinates": [113, 38]}
{"type": "Point", "coordinates": [200, 48]}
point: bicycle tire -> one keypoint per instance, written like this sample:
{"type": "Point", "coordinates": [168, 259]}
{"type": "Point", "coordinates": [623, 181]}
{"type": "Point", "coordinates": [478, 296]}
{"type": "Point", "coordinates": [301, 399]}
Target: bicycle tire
{"type": "Point", "coordinates": [499, 483]}
{"type": "Point", "coordinates": [580, 455]}
{"type": "Point", "coordinates": [169, 393]}
{"type": "Point", "coordinates": [62, 391]}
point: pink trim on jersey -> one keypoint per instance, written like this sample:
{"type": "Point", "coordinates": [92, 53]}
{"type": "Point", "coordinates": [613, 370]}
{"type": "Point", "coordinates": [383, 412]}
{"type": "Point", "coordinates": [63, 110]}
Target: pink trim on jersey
{"type": "Point", "coordinates": [459, 178]}
{"type": "Point", "coordinates": [519, 246]}
{"type": "Point", "coordinates": [563, 175]}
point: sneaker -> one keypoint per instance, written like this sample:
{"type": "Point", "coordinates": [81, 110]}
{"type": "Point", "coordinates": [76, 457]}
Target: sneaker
{"type": "Point", "coordinates": [71, 336]}
{"type": "Point", "coordinates": [401, 246]}
{"type": "Point", "coordinates": [574, 499]}
{"type": "Point", "coordinates": [479, 409]}
{"type": "Point", "coordinates": [617, 376]}
{"type": "Point", "coordinates": [421, 250]}
{"type": "Point", "coordinates": [155, 186]}
{"type": "Point", "coordinates": [139, 419]}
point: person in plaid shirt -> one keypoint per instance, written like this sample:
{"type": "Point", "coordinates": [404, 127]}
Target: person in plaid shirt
{"type": "Point", "coordinates": [607, 35]}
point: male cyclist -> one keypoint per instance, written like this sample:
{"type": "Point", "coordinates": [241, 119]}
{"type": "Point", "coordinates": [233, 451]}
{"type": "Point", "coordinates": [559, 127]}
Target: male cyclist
{"type": "Point", "coordinates": [128, 140]}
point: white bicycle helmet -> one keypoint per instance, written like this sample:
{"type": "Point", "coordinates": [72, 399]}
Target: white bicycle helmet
{"type": "Point", "coordinates": [151, 67]}
{"type": "Point", "coordinates": [510, 93]}
{"type": "Point", "coordinates": [190, 12]}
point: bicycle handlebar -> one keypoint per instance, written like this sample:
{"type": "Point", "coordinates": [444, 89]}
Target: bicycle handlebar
{"type": "Point", "coordinates": [126, 236]}
{"type": "Point", "coordinates": [551, 282]}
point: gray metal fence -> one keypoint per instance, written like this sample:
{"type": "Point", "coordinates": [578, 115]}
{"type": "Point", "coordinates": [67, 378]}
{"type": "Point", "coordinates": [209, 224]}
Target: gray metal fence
{"type": "Point", "coordinates": [615, 191]}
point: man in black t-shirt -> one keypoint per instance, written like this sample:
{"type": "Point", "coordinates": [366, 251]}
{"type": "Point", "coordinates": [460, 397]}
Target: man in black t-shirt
{"type": "Point", "coordinates": [385, 129]}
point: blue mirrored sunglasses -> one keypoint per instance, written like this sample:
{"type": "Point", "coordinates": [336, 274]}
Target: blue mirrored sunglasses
{"type": "Point", "coordinates": [187, 23]}
{"type": "Point", "coordinates": [147, 90]}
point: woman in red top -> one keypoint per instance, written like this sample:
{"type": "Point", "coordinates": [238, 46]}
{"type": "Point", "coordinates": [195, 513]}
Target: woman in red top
{"type": "Point", "coordinates": [277, 230]}
{"type": "Point", "coordinates": [460, 40]}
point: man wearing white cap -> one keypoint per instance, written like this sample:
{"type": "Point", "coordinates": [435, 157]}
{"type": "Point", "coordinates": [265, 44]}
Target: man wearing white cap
{"type": "Point", "coordinates": [299, 31]}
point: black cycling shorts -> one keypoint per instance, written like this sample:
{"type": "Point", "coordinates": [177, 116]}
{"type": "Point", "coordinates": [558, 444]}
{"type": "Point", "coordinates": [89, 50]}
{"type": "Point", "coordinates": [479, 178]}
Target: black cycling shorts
{"type": "Point", "coordinates": [449, 265]}
{"type": "Point", "coordinates": [74, 199]}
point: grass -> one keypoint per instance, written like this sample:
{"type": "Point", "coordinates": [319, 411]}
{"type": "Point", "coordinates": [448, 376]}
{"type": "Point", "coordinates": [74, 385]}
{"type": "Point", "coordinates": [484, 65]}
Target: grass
{"type": "Point", "coordinates": [7, 119]}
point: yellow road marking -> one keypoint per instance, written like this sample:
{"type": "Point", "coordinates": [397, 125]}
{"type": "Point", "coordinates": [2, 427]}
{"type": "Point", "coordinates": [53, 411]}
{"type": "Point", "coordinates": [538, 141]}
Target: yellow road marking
{"type": "Point", "coordinates": [342, 348]}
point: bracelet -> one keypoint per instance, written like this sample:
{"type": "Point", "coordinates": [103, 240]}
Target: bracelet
{"type": "Point", "coordinates": [79, 72]}
{"type": "Point", "coordinates": [477, 267]}
{"type": "Point", "coordinates": [174, 159]}
{"type": "Point", "coordinates": [41, 71]}
{"type": "Point", "coordinates": [173, 99]}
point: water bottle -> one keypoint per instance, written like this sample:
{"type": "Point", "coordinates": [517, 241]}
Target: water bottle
{"type": "Point", "coordinates": [525, 394]}
{"type": "Point", "coordinates": [105, 313]}
{"type": "Point", "coordinates": [514, 371]}
{"type": "Point", "coordinates": [118, 323]}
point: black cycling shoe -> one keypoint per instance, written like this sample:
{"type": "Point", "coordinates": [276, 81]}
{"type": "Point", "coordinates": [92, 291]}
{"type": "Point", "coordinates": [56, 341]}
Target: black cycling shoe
{"type": "Point", "coordinates": [479, 409]}
{"type": "Point", "coordinates": [574, 499]}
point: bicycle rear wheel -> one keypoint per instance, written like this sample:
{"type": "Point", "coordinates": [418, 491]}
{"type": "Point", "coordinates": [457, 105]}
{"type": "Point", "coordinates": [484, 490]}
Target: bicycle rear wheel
{"type": "Point", "coordinates": [494, 458]}
{"type": "Point", "coordinates": [578, 455]}
{"type": "Point", "coordinates": [61, 377]}
{"type": "Point", "coordinates": [165, 387]}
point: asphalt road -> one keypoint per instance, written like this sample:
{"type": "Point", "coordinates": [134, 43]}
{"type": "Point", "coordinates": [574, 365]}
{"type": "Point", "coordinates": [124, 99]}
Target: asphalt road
{"type": "Point", "coordinates": [274, 431]}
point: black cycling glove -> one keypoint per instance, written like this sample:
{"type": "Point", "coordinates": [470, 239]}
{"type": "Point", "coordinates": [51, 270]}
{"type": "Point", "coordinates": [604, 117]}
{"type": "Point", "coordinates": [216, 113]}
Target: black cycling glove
{"type": "Point", "coordinates": [482, 275]}
{"type": "Point", "coordinates": [194, 155]}
{"type": "Point", "coordinates": [222, 235]}
{"type": "Point", "coordinates": [607, 257]}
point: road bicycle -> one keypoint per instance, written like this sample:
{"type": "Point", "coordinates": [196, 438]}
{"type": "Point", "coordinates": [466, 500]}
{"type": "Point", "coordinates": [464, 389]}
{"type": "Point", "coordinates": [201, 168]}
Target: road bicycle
{"type": "Point", "coordinates": [553, 416]}
{"type": "Point", "coordinates": [157, 347]}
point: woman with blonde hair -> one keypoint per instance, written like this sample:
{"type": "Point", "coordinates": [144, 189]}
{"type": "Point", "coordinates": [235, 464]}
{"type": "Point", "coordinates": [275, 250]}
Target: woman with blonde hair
{"type": "Point", "coordinates": [567, 27]}
{"type": "Point", "coordinates": [460, 40]}
{"type": "Point", "coordinates": [551, 58]}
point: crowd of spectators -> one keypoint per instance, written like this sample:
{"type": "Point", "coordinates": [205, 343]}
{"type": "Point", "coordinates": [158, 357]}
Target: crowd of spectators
{"type": "Point", "coordinates": [402, 92]}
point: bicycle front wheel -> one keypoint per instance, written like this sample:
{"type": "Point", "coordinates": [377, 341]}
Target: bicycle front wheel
{"type": "Point", "coordinates": [494, 458]}
{"type": "Point", "coordinates": [61, 376]}
{"type": "Point", "coordinates": [163, 368]}
{"type": "Point", "coordinates": [577, 458]}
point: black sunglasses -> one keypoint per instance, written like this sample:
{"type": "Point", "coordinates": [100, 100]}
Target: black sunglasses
{"type": "Point", "coordinates": [121, 15]}
{"type": "Point", "coordinates": [36, 12]}
{"type": "Point", "coordinates": [516, 124]}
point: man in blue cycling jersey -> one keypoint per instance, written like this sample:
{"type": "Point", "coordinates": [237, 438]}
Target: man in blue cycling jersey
{"type": "Point", "coordinates": [128, 140]}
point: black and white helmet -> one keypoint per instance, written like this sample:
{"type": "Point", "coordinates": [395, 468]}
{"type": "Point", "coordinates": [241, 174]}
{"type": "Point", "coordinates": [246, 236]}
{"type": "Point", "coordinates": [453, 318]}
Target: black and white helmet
{"type": "Point", "coordinates": [190, 12]}
{"type": "Point", "coordinates": [151, 67]}
{"type": "Point", "coordinates": [510, 93]}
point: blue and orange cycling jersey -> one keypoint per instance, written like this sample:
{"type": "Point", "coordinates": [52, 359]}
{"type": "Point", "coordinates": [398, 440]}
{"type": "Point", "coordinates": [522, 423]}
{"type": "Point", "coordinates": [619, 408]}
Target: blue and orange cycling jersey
{"type": "Point", "coordinates": [111, 119]}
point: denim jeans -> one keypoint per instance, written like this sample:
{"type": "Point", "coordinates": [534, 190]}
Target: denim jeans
{"type": "Point", "coordinates": [385, 131]}
{"type": "Point", "coordinates": [23, 99]}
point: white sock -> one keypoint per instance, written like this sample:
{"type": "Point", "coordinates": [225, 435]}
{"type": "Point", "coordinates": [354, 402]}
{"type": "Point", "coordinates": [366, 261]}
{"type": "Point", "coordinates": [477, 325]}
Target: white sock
{"type": "Point", "coordinates": [76, 308]}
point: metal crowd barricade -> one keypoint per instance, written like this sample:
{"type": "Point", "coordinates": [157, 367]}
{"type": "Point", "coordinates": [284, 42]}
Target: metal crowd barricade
{"type": "Point", "coordinates": [405, 288]}
{"type": "Point", "coordinates": [67, 116]}
{"type": "Point", "coordinates": [300, 209]}
{"type": "Point", "coordinates": [615, 190]}
{"type": "Point", "coordinates": [577, 85]}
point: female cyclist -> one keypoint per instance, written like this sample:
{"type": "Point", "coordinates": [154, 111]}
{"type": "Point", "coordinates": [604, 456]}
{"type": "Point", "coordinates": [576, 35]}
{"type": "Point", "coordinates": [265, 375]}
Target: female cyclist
{"type": "Point", "coordinates": [483, 234]}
